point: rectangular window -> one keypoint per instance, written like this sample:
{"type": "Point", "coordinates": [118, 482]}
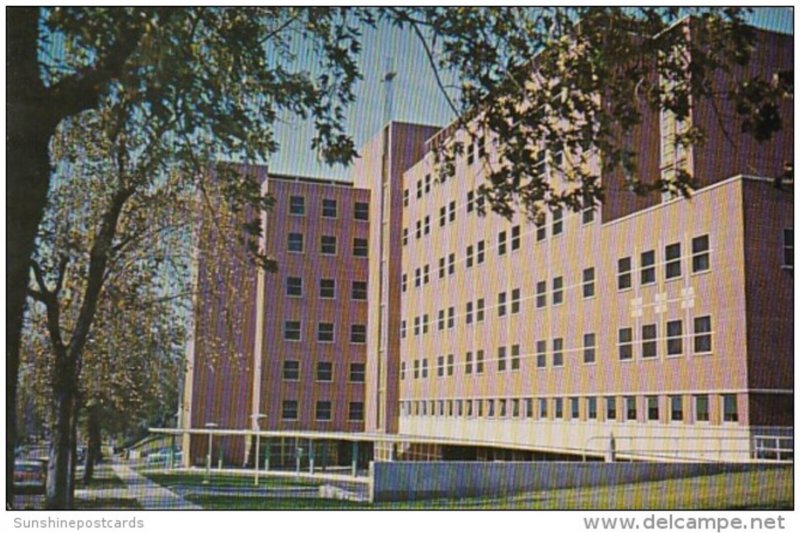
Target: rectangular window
{"type": "Point", "coordinates": [440, 322]}
{"type": "Point", "coordinates": [294, 286]}
{"type": "Point", "coordinates": [673, 256]}
{"type": "Point", "coordinates": [327, 288]}
{"type": "Point", "coordinates": [451, 363]}
{"type": "Point", "coordinates": [515, 238]}
{"type": "Point", "coordinates": [515, 408]}
{"type": "Point", "coordinates": [788, 248]}
{"type": "Point", "coordinates": [291, 370]}
{"type": "Point", "coordinates": [574, 408]}
{"type": "Point", "coordinates": [361, 211]}
{"type": "Point", "coordinates": [515, 357]}
{"type": "Point", "coordinates": [360, 247]}
{"type": "Point", "coordinates": [405, 236]}
{"type": "Point", "coordinates": [442, 268]}
{"type": "Point", "coordinates": [501, 359]}
{"type": "Point", "coordinates": [358, 333]}
{"type": "Point", "coordinates": [675, 337]}
{"type": "Point", "coordinates": [611, 408]}
{"type": "Point", "coordinates": [468, 365]}
{"type": "Point", "coordinates": [481, 255]}
{"type": "Point", "coordinates": [427, 183]}
{"type": "Point", "coordinates": [470, 201]}
{"type": "Point", "coordinates": [425, 323]}
{"type": "Point", "coordinates": [479, 311]}
{"type": "Point", "coordinates": [501, 304]}
{"type": "Point", "coordinates": [328, 208]}
{"type": "Point", "coordinates": [406, 196]}
{"type": "Point", "coordinates": [327, 245]}
{"type": "Point", "coordinates": [442, 216]}
{"type": "Point", "coordinates": [426, 227]}
{"type": "Point", "coordinates": [701, 408]}
{"type": "Point", "coordinates": [469, 257]}
{"type": "Point", "coordinates": [541, 354]}
{"type": "Point", "coordinates": [558, 221]}
{"type": "Point", "coordinates": [591, 408]}
{"type": "Point", "coordinates": [440, 366]}
{"type": "Point", "coordinates": [515, 297]}
{"type": "Point", "coordinates": [541, 294]}
{"type": "Point", "coordinates": [451, 318]}
{"type": "Point", "coordinates": [297, 205]}
{"type": "Point", "coordinates": [558, 352]}
{"type": "Point", "coordinates": [588, 282]}
{"type": "Point", "coordinates": [501, 243]}
{"type": "Point", "coordinates": [403, 329]}
{"type": "Point", "coordinates": [324, 371]}
{"type": "Point", "coordinates": [356, 412]}
{"type": "Point", "coordinates": [296, 242]}
{"type": "Point", "coordinates": [700, 254]}
{"type": "Point", "coordinates": [418, 232]}
{"type": "Point", "coordinates": [648, 270]}
{"type": "Point", "coordinates": [558, 290]}
{"type": "Point", "coordinates": [416, 326]}
{"type": "Point", "coordinates": [359, 290]}
{"type": "Point", "coordinates": [558, 408]}
{"type": "Point", "coordinates": [402, 370]}
{"type": "Point", "coordinates": [479, 362]}
{"type": "Point", "coordinates": [649, 342]}
{"type": "Point", "coordinates": [291, 330]}
{"type": "Point", "coordinates": [543, 408]}
{"type": "Point", "coordinates": [419, 188]}
{"type": "Point", "coordinates": [404, 282]}
{"type": "Point", "coordinates": [451, 266]}
{"type": "Point", "coordinates": [625, 344]}
{"type": "Point", "coordinates": [630, 408]}
{"type": "Point", "coordinates": [702, 334]}
{"type": "Point", "coordinates": [541, 230]}
{"type": "Point", "coordinates": [652, 408]}
{"type": "Point", "coordinates": [502, 412]}
{"type": "Point", "coordinates": [730, 409]}
{"type": "Point", "coordinates": [323, 410]}
{"type": "Point", "coordinates": [529, 407]}
{"type": "Point", "coordinates": [451, 215]}
{"type": "Point", "coordinates": [490, 408]}
{"type": "Point", "coordinates": [470, 153]}
{"type": "Point", "coordinates": [424, 373]}
{"type": "Point", "coordinates": [589, 348]}
{"type": "Point", "coordinates": [325, 332]}
{"type": "Point", "coordinates": [676, 408]}
{"type": "Point", "coordinates": [358, 372]}
{"type": "Point", "coordinates": [624, 273]}
{"type": "Point", "coordinates": [417, 277]}
{"type": "Point", "coordinates": [468, 313]}
{"type": "Point", "coordinates": [289, 411]}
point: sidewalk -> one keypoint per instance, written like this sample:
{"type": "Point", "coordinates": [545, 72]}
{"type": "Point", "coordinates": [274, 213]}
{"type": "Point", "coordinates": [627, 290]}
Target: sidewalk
{"type": "Point", "coordinates": [149, 494]}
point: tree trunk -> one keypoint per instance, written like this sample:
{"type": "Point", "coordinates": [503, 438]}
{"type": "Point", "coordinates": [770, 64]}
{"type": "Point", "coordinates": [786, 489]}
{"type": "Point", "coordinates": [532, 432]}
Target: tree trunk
{"type": "Point", "coordinates": [59, 470]}
{"type": "Point", "coordinates": [93, 454]}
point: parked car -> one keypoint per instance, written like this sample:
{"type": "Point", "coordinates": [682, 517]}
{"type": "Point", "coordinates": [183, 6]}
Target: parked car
{"type": "Point", "coordinates": [30, 476]}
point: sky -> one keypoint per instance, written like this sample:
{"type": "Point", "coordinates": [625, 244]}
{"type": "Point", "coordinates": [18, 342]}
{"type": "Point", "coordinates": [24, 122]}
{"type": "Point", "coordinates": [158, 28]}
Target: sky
{"type": "Point", "coordinates": [417, 98]}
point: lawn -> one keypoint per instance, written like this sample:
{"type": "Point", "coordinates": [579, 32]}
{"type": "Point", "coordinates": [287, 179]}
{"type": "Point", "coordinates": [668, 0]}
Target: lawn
{"type": "Point", "coordinates": [191, 479]}
{"type": "Point", "coordinates": [115, 504]}
{"type": "Point", "coordinates": [104, 478]}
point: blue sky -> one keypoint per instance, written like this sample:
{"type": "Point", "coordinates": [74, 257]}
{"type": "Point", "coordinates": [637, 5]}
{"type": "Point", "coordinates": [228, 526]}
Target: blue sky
{"type": "Point", "coordinates": [416, 95]}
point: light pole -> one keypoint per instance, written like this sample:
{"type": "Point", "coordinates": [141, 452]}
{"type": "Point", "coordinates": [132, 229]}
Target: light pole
{"type": "Point", "coordinates": [257, 422]}
{"type": "Point", "coordinates": [210, 426]}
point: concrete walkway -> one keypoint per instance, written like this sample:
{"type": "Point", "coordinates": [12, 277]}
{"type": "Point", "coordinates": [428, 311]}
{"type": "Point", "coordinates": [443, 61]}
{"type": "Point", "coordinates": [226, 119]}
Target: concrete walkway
{"type": "Point", "coordinates": [150, 495]}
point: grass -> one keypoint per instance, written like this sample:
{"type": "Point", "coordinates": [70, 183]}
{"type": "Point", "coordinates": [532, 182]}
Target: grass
{"type": "Point", "coordinates": [195, 479]}
{"type": "Point", "coordinates": [259, 504]}
{"type": "Point", "coordinates": [116, 504]}
{"type": "Point", "coordinates": [104, 478]}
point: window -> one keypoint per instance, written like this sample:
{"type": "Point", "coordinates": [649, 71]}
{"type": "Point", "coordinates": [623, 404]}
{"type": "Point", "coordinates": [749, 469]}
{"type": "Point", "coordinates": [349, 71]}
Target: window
{"type": "Point", "coordinates": [425, 323]}
{"type": "Point", "coordinates": [558, 352]}
{"type": "Point", "coordinates": [652, 408]}
{"type": "Point", "coordinates": [673, 255]}
{"type": "Point", "coordinates": [323, 410]}
{"type": "Point", "coordinates": [501, 304]}
{"type": "Point", "coordinates": [515, 297]}
{"type": "Point", "coordinates": [574, 408]}
{"type": "Point", "coordinates": [358, 333]}
{"type": "Point", "coordinates": [470, 201]}
{"type": "Point", "coordinates": [543, 408]}
{"type": "Point", "coordinates": [426, 227]}
{"type": "Point", "coordinates": [648, 267]}
{"type": "Point", "coordinates": [541, 354]}
{"type": "Point", "coordinates": [417, 277]}
{"type": "Point", "coordinates": [328, 245]}
{"type": "Point", "coordinates": [451, 215]}
{"type": "Point", "coordinates": [468, 313]}
{"type": "Point", "coordinates": [325, 332]}
{"type": "Point", "coordinates": [405, 236]}
{"type": "Point", "coordinates": [490, 408]}
{"type": "Point", "coordinates": [558, 221]}
{"type": "Point", "coordinates": [676, 408]}
{"type": "Point", "coordinates": [541, 230]}
{"type": "Point", "coordinates": [588, 282]}
{"type": "Point", "coordinates": [625, 344]}
{"type": "Point", "coordinates": [426, 274]}
{"type": "Point", "coordinates": [291, 330]}
{"type": "Point", "coordinates": [297, 205]}
{"type": "Point", "coordinates": [468, 365]}
{"type": "Point", "coordinates": [624, 273]}
{"type": "Point", "coordinates": [419, 188]}
{"type": "Point", "coordinates": [541, 294]}
{"type": "Point", "coordinates": [702, 334]}
{"type": "Point", "coordinates": [357, 372]}
{"type": "Point", "coordinates": [442, 216]}
{"type": "Point", "coordinates": [328, 208]}
{"type": "Point", "coordinates": [675, 337]}
{"type": "Point", "coordinates": [402, 370]}
{"type": "Point", "coordinates": [440, 366]}
{"type": "Point", "coordinates": [611, 408]}
{"type": "Point", "coordinates": [360, 247]}
{"type": "Point", "coordinates": [788, 248]}
{"type": "Point", "coordinates": [587, 214]}
{"type": "Point", "coordinates": [289, 411]}
{"type": "Point", "coordinates": [470, 153]}
{"type": "Point", "coordinates": [501, 359]}
{"type": "Point", "coordinates": [356, 412]}
{"type": "Point", "coordinates": [440, 322]}
{"type": "Point", "coordinates": [730, 410]}
{"type": "Point", "coordinates": [589, 348]}
{"type": "Point", "coordinates": [479, 311]}
{"type": "Point", "coordinates": [649, 343]}
{"type": "Point", "coordinates": [558, 290]}
{"type": "Point", "coordinates": [294, 286]}
{"type": "Point", "coordinates": [296, 242]}
{"type": "Point", "coordinates": [451, 317]}
{"type": "Point", "coordinates": [291, 370]}
{"type": "Point", "coordinates": [418, 233]}
{"type": "Point", "coordinates": [481, 255]}
{"type": "Point", "coordinates": [630, 408]}
{"type": "Point", "coordinates": [700, 254]}
{"type": "Point", "coordinates": [515, 408]}
{"type": "Point", "coordinates": [701, 408]}
{"type": "Point", "coordinates": [441, 267]}
{"type": "Point", "coordinates": [469, 257]}
{"type": "Point", "coordinates": [427, 183]}
{"type": "Point", "coordinates": [424, 373]}
{"type": "Point", "coordinates": [501, 408]}
{"type": "Point", "coordinates": [591, 408]}
{"type": "Point", "coordinates": [515, 357]}
{"type": "Point", "coordinates": [416, 326]}
{"type": "Point", "coordinates": [324, 371]}
{"type": "Point", "coordinates": [404, 282]}
{"type": "Point", "coordinates": [515, 238]}
{"type": "Point", "coordinates": [359, 290]}
{"type": "Point", "coordinates": [405, 197]}
{"type": "Point", "coordinates": [450, 364]}
{"type": "Point", "coordinates": [529, 407]}
{"type": "Point", "coordinates": [451, 264]}
{"type": "Point", "coordinates": [501, 243]}
{"type": "Point", "coordinates": [403, 329]}
{"type": "Point", "coordinates": [361, 210]}
{"type": "Point", "coordinates": [558, 408]}
{"type": "Point", "coordinates": [479, 362]}
{"type": "Point", "coordinates": [327, 288]}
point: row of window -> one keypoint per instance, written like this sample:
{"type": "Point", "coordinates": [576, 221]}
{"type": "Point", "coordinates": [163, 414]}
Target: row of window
{"type": "Point", "coordinates": [292, 331]}
{"type": "Point", "coordinates": [327, 245]}
{"type": "Point", "coordinates": [700, 262]}
{"type": "Point", "coordinates": [673, 345]}
{"type": "Point", "coordinates": [297, 207]}
{"type": "Point", "coordinates": [323, 411]}
{"type": "Point", "coordinates": [583, 408]}
{"type": "Point", "coordinates": [327, 288]}
{"type": "Point", "coordinates": [324, 371]}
